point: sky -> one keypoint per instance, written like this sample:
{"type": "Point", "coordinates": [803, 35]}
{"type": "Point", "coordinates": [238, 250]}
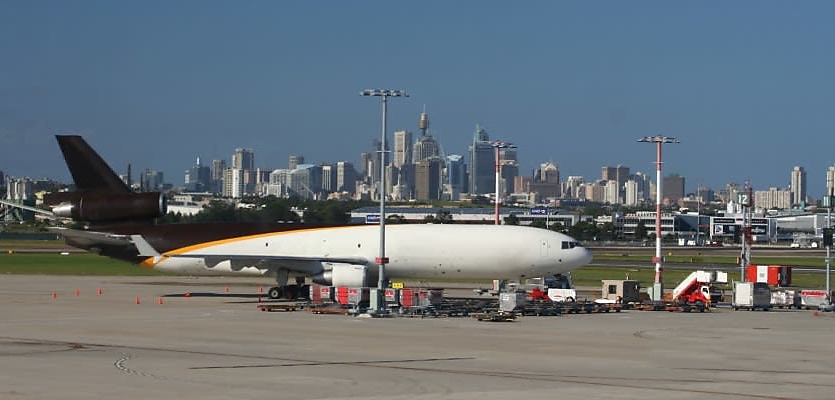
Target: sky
{"type": "Point", "coordinates": [746, 86]}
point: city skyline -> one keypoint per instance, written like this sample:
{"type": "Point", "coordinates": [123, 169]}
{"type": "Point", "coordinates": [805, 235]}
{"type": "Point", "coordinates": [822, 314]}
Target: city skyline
{"type": "Point", "coordinates": [744, 85]}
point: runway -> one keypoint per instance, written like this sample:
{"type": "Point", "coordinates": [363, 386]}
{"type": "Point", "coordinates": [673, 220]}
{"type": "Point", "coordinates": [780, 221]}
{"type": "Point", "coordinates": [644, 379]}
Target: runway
{"type": "Point", "coordinates": [217, 345]}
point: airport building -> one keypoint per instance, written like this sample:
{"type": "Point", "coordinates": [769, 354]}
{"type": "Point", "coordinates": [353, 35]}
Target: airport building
{"type": "Point", "coordinates": [468, 215]}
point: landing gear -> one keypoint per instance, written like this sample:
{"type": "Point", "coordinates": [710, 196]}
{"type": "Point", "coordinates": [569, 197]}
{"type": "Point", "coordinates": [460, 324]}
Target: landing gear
{"type": "Point", "coordinates": [275, 293]}
{"type": "Point", "coordinates": [285, 291]}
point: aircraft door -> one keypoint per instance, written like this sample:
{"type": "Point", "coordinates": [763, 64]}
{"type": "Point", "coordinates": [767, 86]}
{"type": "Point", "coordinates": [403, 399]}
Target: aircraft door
{"type": "Point", "coordinates": [544, 248]}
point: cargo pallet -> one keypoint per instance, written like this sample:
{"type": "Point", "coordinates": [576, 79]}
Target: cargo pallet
{"type": "Point", "coordinates": [270, 307]}
{"type": "Point", "coordinates": [334, 308]}
{"type": "Point", "coordinates": [495, 316]}
{"type": "Point", "coordinates": [671, 307]}
{"type": "Point", "coordinates": [588, 307]}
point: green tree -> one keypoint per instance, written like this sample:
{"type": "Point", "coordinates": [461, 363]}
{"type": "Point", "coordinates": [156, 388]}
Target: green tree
{"type": "Point", "coordinates": [640, 231]}
{"type": "Point", "coordinates": [511, 219]}
{"type": "Point", "coordinates": [538, 224]}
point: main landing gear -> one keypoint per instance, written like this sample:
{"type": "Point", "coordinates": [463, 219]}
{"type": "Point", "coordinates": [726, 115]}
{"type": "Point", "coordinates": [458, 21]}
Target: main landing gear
{"type": "Point", "coordinates": [285, 291]}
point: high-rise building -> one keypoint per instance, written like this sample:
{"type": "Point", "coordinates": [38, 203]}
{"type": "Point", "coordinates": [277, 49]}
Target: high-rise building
{"type": "Point", "coordinates": [198, 178]}
{"type": "Point", "coordinates": [455, 176]}
{"type": "Point", "coordinates": [305, 181]}
{"type": "Point", "coordinates": [425, 147]}
{"type": "Point", "coordinates": [428, 179]}
{"type": "Point", "coordinates": [619, 174]}
{"type": "Point", "coordinates": [830, 180]}
{"type": "Point", "coordinates": [152, 180]}
{"type": "Point", "coordinates": [673, 188]}
{"type": "Point", "coordinates": [798, 188]}
{"type": "Point", "coordinates": [402, 148]}
{"type": "Point", "coordinates": [244, 160]}
{"type": "Point", "coordinates": [218, 166]}
{"type": "Point", "coordinates": [346, 177]}
{"type": "Point", "coordinates": [773, 198]}
{"type": "Point", "coordinates": [295, 160]}
{"type": "Point", "coordinates": [611, 194]}
{"type": "Point", "coordinates": [328, 178]}
{"type": "Point", "coordinates": [233, 183]}
{"type": "Point", "coordinates": [630, 189]}
{"type": "Point", "coordinates": [548, 172]}
{"type": "Point", "coordinates": [482, 164]}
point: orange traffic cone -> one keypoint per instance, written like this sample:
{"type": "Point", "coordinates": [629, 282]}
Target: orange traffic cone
{"type": "Point", "coordinates": [159, 300]}
{"type": "Point", "coordinates": [77, 292]}
{"type": "Point", "coordinates": [226, 289]}
{"type": "Point", "coordinates": [98, 292]}
{"type": "Point", "coordinates": [54, 295]}
{"type": "Point", "coordinates": [137, 300]}
{"type": "Point", "coordinates": [186, 294]}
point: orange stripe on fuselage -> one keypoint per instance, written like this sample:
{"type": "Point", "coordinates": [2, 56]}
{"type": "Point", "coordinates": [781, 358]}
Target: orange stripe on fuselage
{"type": "Point", "coordinates": [242, 238]}
{"type": "Point", "coordinates": [148, 263]}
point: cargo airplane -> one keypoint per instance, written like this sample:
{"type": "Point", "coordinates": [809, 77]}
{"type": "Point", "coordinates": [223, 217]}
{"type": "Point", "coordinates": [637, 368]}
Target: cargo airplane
{"type": "Point", "coordinates": [120, 224]}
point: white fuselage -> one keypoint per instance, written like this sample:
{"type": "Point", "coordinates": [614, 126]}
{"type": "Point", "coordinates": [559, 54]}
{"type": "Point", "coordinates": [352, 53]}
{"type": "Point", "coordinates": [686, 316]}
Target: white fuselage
{"type": "Point", "coordinates": [428, 251]}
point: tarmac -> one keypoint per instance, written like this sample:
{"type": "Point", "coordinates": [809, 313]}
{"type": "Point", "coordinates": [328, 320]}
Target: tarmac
{"type": "Point", "coordinates": [60, 338]}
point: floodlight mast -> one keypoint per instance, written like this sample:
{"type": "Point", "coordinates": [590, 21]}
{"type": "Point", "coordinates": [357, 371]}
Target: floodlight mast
{"type": "Point", "coordinates": [382, 260]}
{"type": "Point", "coordinates": [498, 145]}
{"type": "Point", "coordinates": [658, 140]}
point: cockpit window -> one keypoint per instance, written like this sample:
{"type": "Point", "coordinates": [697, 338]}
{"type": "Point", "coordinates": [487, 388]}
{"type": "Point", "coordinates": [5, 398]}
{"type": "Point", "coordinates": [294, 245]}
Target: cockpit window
{"type": "Point", "coordinates": [570, 245]}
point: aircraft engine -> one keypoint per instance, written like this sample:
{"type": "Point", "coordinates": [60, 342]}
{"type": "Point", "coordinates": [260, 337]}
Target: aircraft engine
{"type": "Point", "coordinates": [100, 207]}
{"type": "Point", "coordinates": [342, 275]}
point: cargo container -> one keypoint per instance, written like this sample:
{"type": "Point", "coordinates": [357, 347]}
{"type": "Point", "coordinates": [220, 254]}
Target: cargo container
{"type": "Point", "coordinates": [774, 275]}
{"type": "Point", "coordinates": [512, 301]}
{"type": "Point", "coordinates": [785, 299]}
{"type": "Point", "coordinates": [751, 296]}
{"type": "Point", "coordinates": [321, 294]}
{"type": "Point", "coordinates": [812, 299]}
{"type": "Point", "coordinates": [623, 291]}
{"type": "Point", "coordinates": [358, 296]}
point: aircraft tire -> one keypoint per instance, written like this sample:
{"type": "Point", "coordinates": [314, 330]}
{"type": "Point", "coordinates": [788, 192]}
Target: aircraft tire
{"type": "Point", "coordinates": [275, 293]}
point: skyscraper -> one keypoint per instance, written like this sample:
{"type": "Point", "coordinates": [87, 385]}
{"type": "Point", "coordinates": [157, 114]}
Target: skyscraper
{"type": "Point", "coordinates": [402, 148]}
{"type": "Point", "coordinates": [428, 179]}
{"type": "Point", "coordinates": [295, 160]}
{"type": "Point", "coordinates": [619, 174]}
{"type": "Point", "coordinates": [346, 177]}
{"type": "Point", "coordinates": [830, 180]}
{"type": "Point", "coordinates": [198, 178]}
{"type": "Point", "coordinates": [218, 166]}
{"type": "Point", "coordinates": [798, 185]}
{"type": "Point", "coordinates": [481, 169]}
{"type": "Point", "coordinates": [673, 188]}
{"type": "Point", "coordinates": [455, 176]}
{"type": "Point", "coordinates": [244, 160]}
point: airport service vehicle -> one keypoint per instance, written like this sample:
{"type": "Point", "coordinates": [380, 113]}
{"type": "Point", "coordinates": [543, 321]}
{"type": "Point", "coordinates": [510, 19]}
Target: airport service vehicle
{"type": "Point", "coordinates": [751, 296]}
{"type": "Point", "coordinates": [695, 288]}
{"type": "Point", "coordinates": [120, 225]}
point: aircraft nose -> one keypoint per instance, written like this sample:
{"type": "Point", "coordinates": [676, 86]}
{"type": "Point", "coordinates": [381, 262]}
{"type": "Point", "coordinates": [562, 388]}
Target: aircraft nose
{"type": "Point", "coordinates": [587, 256]}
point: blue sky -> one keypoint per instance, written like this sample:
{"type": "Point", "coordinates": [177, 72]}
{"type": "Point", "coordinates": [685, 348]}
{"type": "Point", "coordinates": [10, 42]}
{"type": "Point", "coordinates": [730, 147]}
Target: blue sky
{"type": "Point", "coordinates": [746, 86]}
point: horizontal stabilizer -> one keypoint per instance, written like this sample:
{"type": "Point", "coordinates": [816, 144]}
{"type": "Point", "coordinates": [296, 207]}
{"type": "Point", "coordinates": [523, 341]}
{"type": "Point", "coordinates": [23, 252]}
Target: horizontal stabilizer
{"type": "Point", "coordinates": [145, 249]}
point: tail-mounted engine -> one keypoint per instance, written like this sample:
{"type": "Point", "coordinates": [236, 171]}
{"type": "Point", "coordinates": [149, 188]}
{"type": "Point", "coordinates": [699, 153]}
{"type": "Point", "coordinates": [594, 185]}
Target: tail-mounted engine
{"type": "Point", "coordinates": [107, 207]}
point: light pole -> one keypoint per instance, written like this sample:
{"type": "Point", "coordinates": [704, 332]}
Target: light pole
{"type": "Point", "coordinates": [658, 290]}
{"type": "Point", "coordinates": [498, 145]}
{"type": "Point", "coordinates": [827, 240]}
{"type": "Point", "coordinates": [382, 260]}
